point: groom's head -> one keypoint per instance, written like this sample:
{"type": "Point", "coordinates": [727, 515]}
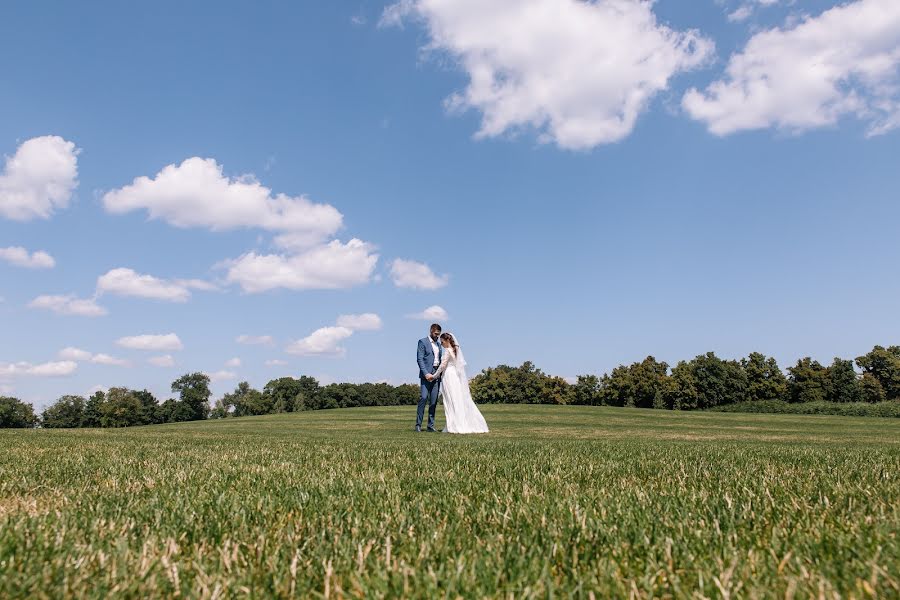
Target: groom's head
{"type": "Point", "coordinates": [435, 331]}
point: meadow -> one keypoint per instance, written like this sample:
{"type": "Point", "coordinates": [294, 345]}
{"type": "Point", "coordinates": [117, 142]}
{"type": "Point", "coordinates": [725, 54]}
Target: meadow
{"type": "Point", "coordinates": [557, 501]}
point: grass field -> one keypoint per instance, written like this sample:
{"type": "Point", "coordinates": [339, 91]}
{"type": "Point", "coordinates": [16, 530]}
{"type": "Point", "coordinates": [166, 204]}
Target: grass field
{"type": "Point", "coordinates": [556, 502]}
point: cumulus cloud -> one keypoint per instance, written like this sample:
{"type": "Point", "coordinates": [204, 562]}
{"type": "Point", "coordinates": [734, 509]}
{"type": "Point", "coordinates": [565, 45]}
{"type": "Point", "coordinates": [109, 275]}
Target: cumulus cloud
{"type": "Point", "coordinates": [329, 266]}
{"type": "Point", "coordinates": [48, 369]}
{"type": "Point", "coordinates": [322, 342]}
{"type": "Point", "coordinates": [79, 355]}
{"type": "Point", "coordinates": [416, 275]}
{"type": "Point", "coordinates": [221, 376]}
{"type": "Point", "coordinates": [165, 360]}
{"type": "Point", "coordinates": [69, 305]}
{"type": "Point", "coordinates": [196, 193]}
{"type": "Point", "coordinates": [39, 178]}
{"type": "Point", "coordinates": [126, 282]}
{"type": "Point", "coordinates": [160, 343]}
{"type": "Point", "coordinates": [261, 340]}
{"type": "Point", "coordinates": [579, 73]}
{"type": "Point", "coordinates": [432, 313]}
{"type": "Point", "coordinates": [843, 62]}
{"type": "Point", "coordinates": [20, 257]}
{"type": "Point", "coordinates": [363, 322]}
{"type": "Point", "coordinates": [233, 363]}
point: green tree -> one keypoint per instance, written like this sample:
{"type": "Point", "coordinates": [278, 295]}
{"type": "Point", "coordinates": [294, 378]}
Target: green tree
{"type": "Point", "coordinates": [16, 414]}
{"type": "Point", "coordinates": [193, 390]}
{"type": "Point", "coordinates": [704, 382]}
{"type": "Point", "coordinates": [288, 394]}
{"type": "Point", "coordinates": [66, 412]}
{"type": "Point", "coordinates": [91, 417]}
{"type": "Point", "coordinates": [808, 382]}
{"type": "Point", "coordinates": [640, 384]}
{"type": "Point", "coordinates": [121, 409]}
{"type": "Point", "coordinates": [765, 381]}
{"type": "Point", "coordinates": [870, 389]}
{"type": "Point", "coordinates": [245, 400]}
{"type": "Point", "coordinates": [586, 391]}
{"type": "Point", "coordinates": [843, 385]}
{"type": "Point", "coordinates": [884, 365]}
{"type": "Point", "coordinates": [556, 390]}
{"type": "Point", "coordinates": [149, 407]}
{"type": "Point", "coordinates": [681, 392]}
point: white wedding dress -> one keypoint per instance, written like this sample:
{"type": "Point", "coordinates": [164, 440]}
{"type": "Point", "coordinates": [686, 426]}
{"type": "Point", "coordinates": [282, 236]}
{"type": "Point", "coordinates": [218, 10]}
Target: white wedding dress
{"type": "Point", "coordinates": [461, 413]}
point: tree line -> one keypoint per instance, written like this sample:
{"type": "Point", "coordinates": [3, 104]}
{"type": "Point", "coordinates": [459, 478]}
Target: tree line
{"type": "Point", "coordinates": [705, 382]}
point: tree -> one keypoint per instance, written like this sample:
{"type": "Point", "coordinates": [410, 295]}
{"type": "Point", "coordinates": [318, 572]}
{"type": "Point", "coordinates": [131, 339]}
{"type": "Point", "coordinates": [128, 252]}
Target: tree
{"type": "Point", "coordinates": [870, 389]}
{"type": "Point", "coordinates": [16, 414]}
{"type": "Point", "coordinates": [287, 394]}
{"type": "Point", "coordinates": [66, 412]}
{"type": "Point", "coordinates": [149, 407]}
{"type": "Point", "coordinates": [884, 365]}
{"type": "Point", "coordinates": [491, 386]}
{"type": "Point", "coordinates": [245, 400]}
{"type": "Point", "coordinates": [91, 416]}
{"type": "Point", "coordinates": [843, 384]}
{"type": "Point", "coordinates": [639, 384]}
{"type": "Point", "coordinates": [809, 381]}
{"type": "Point", "coordinates": [556, 390]}
{"type": "Point", "coordinates": [765, 381]}
{"type": "Point", "coordinates": [586, 391]}
{"type": "Point", "coordinates": [194, 393]}
{"type": "Point", "coordinates": [121, 409]}
{"type": "Point", "coordinates": [681, 392]}
{"type": "Point", "coordinates": [719, 382]}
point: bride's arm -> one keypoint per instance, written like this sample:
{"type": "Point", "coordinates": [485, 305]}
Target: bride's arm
{"type": "Point", "coordinates": [445, 360]}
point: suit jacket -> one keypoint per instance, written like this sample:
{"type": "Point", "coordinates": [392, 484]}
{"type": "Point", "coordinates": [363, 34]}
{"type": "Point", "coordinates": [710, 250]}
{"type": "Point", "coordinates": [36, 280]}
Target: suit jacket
{"type": "Point", "coordinates": [425, 357]}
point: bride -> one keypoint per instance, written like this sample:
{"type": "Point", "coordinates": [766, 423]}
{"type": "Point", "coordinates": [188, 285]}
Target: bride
{"type": "Point", "coordinates": [462, 414]}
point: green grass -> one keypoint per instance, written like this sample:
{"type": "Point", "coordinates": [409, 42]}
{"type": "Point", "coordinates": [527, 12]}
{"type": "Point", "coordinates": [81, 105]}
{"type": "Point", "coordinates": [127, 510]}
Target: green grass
{"type": "Point", "coordinates": [556, 502]}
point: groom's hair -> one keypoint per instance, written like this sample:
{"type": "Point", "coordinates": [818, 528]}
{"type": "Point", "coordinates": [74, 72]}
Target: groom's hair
{"type": "Point", "coordinates": [435, 327]}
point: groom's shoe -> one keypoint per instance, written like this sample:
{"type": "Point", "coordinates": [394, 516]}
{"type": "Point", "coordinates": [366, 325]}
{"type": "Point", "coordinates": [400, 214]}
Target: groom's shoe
{"type": "Point", "coordinates": [430, 430]}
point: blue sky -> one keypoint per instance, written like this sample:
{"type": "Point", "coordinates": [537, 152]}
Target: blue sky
{"type": "Point", "coordinates": [629, 179]}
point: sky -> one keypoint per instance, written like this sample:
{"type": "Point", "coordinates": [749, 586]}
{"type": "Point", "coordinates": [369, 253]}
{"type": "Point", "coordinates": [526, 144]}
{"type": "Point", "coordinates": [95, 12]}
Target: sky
{"type": "Point", "coordinates": [267, 189]}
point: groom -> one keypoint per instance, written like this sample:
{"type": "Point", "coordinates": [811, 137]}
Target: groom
{"type": "Point", "coordinates": [428, 355]}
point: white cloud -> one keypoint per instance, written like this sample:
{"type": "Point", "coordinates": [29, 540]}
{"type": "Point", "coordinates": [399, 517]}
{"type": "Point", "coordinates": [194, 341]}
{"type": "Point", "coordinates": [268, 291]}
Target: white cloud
{"type": "Point", "coordinates": [18, 256]}
{"type": "Point", "coordinates": [580, 73]}
{"type": "Point", "coordinates": [261, 340]}
{"type": "Point", "coordinates": [741, 13]}
{"type": "Point", "coordinates": [165, 360]}
{"type": "Point", "coordinates": [416, 275]}
{"type": "Point", "coordinates": [106, 359]}
{"type": "Point", "coordinates": [48, 369]}
{"type": "Point", "coordinates": [126, 282]}
{"type": "Point", "coordinates": [843, 62]}
{"type": "Point", "coordinates": [363, 322]}
{"type": "Point", "coordinates": [38, 179]}
{"type": "Point", "coordinates": [322, 342]}
{"type": "Point", "coordinates": [165, 342]}
{"type": "Point", "coordinates": [76, 354]}
{"type": "Point", "coordinates": [329, 266]}
{"type": "Point", "coordinates": [221, 376]}
{"type": "Point", "coordinates": [233, 363]}
{"type": "Point", "coordinates": [69, 305]}
{"type": "Point", "coordinates": [432, 313]}
{"type": "Point", "coordinates": [276, 363]}
{"type": "Point", "coordinates": [79, 355]}
{"type": "Point", "coordinates": [197, 194]}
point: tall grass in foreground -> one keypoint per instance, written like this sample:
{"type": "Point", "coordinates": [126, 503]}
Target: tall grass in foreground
{"type": "Point", "coordinates": [557, 501]}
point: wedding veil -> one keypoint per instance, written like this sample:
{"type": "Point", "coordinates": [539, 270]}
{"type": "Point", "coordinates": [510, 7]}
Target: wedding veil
{"type": "Point", "coordinates": [460, 361]}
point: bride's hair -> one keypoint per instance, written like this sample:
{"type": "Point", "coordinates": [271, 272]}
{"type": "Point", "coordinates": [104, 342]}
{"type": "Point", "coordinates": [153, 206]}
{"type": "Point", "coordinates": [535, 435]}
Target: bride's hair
{"type": "Point", "coordinates": [452, 340]}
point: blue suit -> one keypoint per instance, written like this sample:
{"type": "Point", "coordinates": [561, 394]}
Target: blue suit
{"type": "Point", "coordinates": [430, 389]}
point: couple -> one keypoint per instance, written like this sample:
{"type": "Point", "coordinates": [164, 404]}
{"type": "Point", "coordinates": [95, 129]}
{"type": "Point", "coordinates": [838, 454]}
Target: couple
{"type": "Point", "coordinates": [442, 371]}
